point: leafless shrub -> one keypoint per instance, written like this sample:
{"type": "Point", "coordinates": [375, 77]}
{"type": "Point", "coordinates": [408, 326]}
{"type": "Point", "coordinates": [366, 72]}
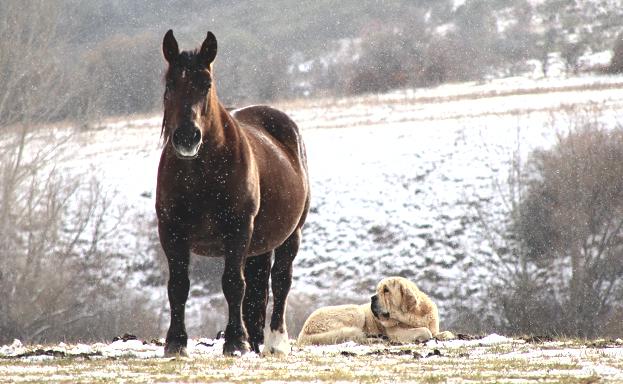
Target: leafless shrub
{"type": "Point", "coordinates": [572, 218]}
{"type": "Point", "coordinates": [57, 277]}
{"type": "Point", "coordinates": [47, 280]}
{"type": "Point", "coordinates": [556, 261]}
{"type": "Point", "coordinates": [383, 64]}
{"type": "Point", "coordinates": [616, 63]}
{"type": "Point", "coordinates": [125, 74]}
{"type": "Point", "coordinates": [39, 81]}
{"type": "Point", "coordinates": [613, 324]}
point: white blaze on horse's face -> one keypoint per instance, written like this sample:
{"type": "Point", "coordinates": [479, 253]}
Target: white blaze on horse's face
{"type": "Point", "coordinates": [185, 105]}
{"type": "Point", "coordinates": [186, 97]}
{"type": "Point", "coordinates": [187, 136]}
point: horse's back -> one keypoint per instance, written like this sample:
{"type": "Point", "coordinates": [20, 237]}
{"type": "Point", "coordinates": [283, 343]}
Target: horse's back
{"type": "Point", "coordinates": [278, 124]}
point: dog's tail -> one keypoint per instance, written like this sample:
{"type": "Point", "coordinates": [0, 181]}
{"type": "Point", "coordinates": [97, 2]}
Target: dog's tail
{"type": "Point", "coordinates": [335, 336]}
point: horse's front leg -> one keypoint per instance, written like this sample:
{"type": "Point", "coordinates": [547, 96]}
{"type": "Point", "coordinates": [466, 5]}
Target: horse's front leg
{"type": "Point", "coordinates": [178, 255]}
{"type": "Point", "coordinates": [233, 282]}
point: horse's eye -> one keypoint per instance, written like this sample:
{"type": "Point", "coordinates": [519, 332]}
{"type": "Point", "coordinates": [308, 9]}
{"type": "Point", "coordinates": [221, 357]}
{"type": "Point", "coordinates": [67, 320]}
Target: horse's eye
{"type": "Point", "coordinates": [203, 83]}
{"type": "Point", "coordinates": [385, 290]}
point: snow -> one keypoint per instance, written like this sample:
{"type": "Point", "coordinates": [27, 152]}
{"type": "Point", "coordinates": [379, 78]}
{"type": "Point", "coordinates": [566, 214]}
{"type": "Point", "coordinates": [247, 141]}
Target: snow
{"type": "Point", "coordinates": [492, 339]}
{"type": "Point", "coordinates": [493, 358]}
{"type": "Point", "coordinates": [205, 347]}
{"type": "Point", "coordinates": [120, 348]}
{"type": "Point", "coordinates": [395, 178]}
{"type": "Point", "coordinates": [15, 348]}
{"type": "Point", "coordinates": [350, 347]}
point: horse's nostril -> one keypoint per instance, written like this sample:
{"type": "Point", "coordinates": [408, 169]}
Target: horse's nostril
{"type": "Point", "coordinates": [187, 137]}
{"type": "Point", "coordinates": [177, 137]}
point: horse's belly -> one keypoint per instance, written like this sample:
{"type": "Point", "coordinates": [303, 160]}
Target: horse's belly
{"type": "Point", "coordinates": [260, 244]}
{"type": "Point", "coordinates": [216, 249]}
{"type": "Point", "coordinates": [273, 227]}
{"type": "Point", "coordinates": [206, 240]}
{"type": "Point", "coordinates": [269, 232]}
{"type": "Point", "coordinates": [213, 248]}
{"type": "Point", "coordinates": [267, 235]}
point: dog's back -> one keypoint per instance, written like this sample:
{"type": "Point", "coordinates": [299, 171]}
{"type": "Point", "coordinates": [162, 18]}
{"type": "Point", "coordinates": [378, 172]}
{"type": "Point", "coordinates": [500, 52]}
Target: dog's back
{"type": "Point", "coordinates": [333, 325]}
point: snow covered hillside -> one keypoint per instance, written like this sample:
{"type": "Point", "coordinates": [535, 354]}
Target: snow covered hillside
{"type": "Point", "coordinates": [396, 178]}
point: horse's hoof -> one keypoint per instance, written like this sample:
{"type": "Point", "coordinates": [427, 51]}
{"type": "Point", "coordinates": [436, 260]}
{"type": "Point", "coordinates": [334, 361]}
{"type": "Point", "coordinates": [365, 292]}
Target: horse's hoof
{"type": "Point", "coordinates": [255, 347]}
{"type": "Point", "coordinates": [236, 348]}
{"type": "Point", "coordinates": [175, 350]}
{"type": "Point", "coordinates": [277, 343]}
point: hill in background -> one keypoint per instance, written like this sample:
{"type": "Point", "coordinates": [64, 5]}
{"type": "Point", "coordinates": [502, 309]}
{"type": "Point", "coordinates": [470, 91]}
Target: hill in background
{"type": "Point", "coordinates": [108, 54]}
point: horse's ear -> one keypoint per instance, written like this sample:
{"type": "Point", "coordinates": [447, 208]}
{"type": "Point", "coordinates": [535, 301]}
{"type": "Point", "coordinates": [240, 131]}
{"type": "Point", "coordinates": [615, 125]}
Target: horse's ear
{"type": "Point", "coordinates": [169, 47]}
{"type": "Point", "coordinates": [208, 49]}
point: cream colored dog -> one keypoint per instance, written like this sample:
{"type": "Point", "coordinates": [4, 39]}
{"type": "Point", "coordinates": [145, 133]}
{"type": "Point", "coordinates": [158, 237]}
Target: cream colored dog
{"type": "Point", "coordinates": [398, 310]}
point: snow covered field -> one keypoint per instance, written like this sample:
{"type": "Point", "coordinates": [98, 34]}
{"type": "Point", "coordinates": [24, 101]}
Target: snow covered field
{"type": "Point", "coordinates": [493, 358]}
{"type": "Point", "coordinates": [395, 182]}
{"type": "Point", "coordinates": [396, 178]}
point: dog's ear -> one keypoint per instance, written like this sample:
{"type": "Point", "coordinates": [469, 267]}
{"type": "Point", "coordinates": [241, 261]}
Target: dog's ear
{"type": "Point", "coordinates": [409, 301]}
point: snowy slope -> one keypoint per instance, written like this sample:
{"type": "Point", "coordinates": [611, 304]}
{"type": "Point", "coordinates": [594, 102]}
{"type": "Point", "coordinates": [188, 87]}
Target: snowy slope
{"type": "Point", "coordinates": [395, 178]}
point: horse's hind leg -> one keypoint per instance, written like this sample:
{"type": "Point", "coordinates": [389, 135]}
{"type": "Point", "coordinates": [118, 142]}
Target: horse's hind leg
{"type": "Point", "coordinates": [277, 339]}
{"type": "Point", "coordinates": [256, 275]}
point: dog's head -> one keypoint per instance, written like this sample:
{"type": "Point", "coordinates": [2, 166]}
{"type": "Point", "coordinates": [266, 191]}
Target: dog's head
{"type": "Point", "coordinates": [396, 300]}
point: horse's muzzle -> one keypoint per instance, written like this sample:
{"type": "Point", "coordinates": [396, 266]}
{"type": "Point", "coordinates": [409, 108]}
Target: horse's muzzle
{"type": "Point", "coordinates": [186, 142]}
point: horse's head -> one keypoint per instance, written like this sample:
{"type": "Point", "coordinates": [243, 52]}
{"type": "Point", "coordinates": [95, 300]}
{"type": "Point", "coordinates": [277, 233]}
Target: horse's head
{"type": "Point", "coordinates": [187, 94]}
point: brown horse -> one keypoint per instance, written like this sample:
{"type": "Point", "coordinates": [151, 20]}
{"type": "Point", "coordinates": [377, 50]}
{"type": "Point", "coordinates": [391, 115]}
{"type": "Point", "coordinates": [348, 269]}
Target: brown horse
{"type": "Point", "coordinates": [232, 185]}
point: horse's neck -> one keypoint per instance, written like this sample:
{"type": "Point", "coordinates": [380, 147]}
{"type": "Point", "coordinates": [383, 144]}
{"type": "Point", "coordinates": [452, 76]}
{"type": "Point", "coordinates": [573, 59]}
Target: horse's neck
{"type": "Point", "coordinates": [215, 113]}
{"type": "Point", "coordinates": [224, 131]}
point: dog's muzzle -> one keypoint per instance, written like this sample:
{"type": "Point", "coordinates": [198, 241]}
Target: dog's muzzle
{"type": "Point", "coordinates": [377, 310]}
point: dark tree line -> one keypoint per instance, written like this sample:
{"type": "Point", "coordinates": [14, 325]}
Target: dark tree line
{"type": "Point", "coordinates": [109, 53]}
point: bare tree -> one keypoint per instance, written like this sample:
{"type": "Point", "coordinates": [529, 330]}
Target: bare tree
{"type": "Point", "coordinates": [35, 85]}
{"type": "Point", "coordinates": [516, 297]}
{"type": "Point", "coordinates": [573, 218]}
{"type": "Point", "coordinates": [558, 238]}
{"type": "Point", "coordinates": [56, 280]}
{"type": "Point", "coordinates": [616, 64]}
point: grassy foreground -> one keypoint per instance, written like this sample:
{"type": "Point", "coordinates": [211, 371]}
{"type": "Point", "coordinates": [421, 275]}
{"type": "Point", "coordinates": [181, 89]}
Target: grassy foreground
{"type": "Point", "coordinates": [509, 361]}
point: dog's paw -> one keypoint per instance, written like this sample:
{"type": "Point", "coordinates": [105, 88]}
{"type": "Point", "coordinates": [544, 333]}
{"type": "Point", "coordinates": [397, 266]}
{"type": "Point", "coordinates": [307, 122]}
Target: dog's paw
{"type": "Point", "coordinates": [445, 335]}
{"type": "Point", "coordinates": [422, 334]}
